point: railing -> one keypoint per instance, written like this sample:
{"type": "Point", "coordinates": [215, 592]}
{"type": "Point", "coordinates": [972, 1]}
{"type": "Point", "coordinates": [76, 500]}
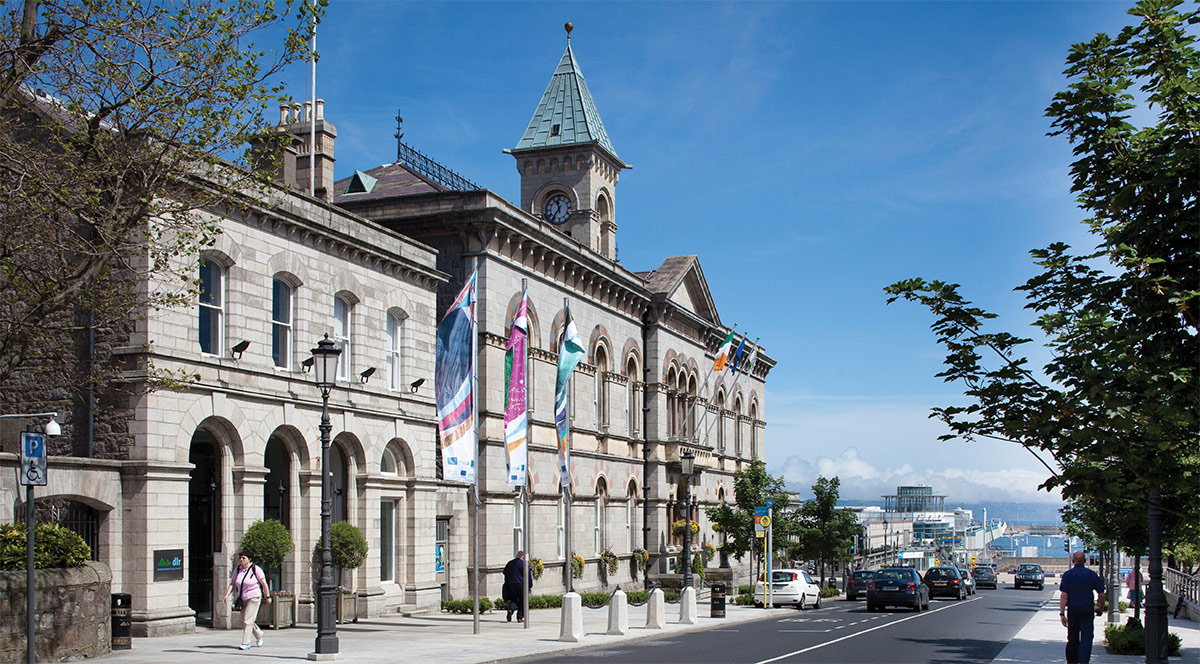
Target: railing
{"type": "Point", "coordinates": [603, 604]}
{"type": "Point", "coordinates": [1184, 586]}
{"type": "Point", "coordinates": [433, 170]}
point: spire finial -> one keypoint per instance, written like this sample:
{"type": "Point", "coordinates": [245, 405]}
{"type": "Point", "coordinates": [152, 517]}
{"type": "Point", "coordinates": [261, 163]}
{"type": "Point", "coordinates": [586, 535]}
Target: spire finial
{"type": "Point", "coordinates": [569, 27]}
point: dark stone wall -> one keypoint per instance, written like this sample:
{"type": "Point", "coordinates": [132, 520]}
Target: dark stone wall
{"type": "Point", "coordinates": [74, 374]}
{"type": "Point", "coordinates": [73, 616]}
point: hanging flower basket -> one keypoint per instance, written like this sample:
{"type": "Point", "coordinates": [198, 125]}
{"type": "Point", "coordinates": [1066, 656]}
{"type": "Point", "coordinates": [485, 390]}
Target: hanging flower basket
{"type": "Point", "coordinates": [678, 527]}
{"type": "Point", "coordinates": [576, 566]}
{"type": "Point", "coordinates": [641, 558]}
{"type": "Point", "coordinates": [536, 567]}
{"type": "Point", "coordinates": [608, 562]}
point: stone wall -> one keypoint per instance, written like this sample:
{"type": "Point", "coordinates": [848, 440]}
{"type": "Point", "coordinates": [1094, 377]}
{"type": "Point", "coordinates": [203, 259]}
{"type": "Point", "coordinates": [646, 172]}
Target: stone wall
{"type": "Point", "coordinates": [73, 614]}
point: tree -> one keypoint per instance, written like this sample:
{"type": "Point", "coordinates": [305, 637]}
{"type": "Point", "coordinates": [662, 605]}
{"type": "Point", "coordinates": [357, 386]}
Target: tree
{"type": "Point", "coordinates": [752, 486]}
{"type": "Point", "coordinates": [116, 120]}
{"type": "Point", "coordinates": [1117, 406]}
{"type": "Point", "coordinates": [825, 531]}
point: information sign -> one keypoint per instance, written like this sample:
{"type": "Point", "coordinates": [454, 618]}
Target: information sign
{"type": "Point", "coordinates": [33, 459]}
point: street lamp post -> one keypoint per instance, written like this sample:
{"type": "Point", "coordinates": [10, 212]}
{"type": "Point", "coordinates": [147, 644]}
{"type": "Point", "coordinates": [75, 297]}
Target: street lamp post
{"type": "Point", "coordinates": [325, 359]}
{"type": "Point", "coordinates": [687, 465]}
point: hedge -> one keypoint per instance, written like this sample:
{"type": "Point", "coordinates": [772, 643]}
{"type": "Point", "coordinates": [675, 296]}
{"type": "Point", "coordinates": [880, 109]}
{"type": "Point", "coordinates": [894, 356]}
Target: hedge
{"type": "Point", "coordinates": [53, 546]}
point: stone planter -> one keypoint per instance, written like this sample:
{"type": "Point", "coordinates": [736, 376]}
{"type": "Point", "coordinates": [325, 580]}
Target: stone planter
{"type": "Point", "coordinates": [347, 607]}
{"type": "Point", "coordinates": [280, 613]}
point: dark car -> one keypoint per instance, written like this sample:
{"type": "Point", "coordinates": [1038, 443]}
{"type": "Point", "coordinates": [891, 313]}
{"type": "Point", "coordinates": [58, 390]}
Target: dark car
{"type": "Point", "coordinates": [1029, 574]}
{"type": "Point", "coordinates": [984, 575]}
{"type": "Point", "coordinates": [897, 586]}
{"type": "Point", "coordinates": [945, 582]}
{"type": "Point", "coordinates": [857, 583]}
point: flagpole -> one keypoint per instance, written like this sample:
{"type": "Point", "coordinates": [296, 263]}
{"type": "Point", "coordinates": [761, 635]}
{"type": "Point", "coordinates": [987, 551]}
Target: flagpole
{"type": "Point", "coordinates": [565, 487]}
{"type": "Point", "coordinates": [475, 427]}
{"type": "Point", "coordinates": [704, 383]}
{"type": "Point", "coordinates": [525, 487]}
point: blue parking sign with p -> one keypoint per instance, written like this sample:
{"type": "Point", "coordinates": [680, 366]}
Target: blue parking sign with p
{"type": "Point", "coordinates": [33, 459]}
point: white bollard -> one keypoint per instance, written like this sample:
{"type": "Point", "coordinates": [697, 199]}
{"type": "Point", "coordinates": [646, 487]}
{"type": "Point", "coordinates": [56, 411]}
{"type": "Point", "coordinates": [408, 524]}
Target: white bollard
{"type": "Point", "coordinates": [572, 618]}
{"type": "Point", "coordinates": [618, 614]}
{"type": "Point", "coordinates": [687, 606]}
{"type": "Point", "coordinates": [656, 610]}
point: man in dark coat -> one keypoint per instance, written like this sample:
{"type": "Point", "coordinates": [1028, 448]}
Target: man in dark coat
{"type": "Point", "coordinates": [514, 582]}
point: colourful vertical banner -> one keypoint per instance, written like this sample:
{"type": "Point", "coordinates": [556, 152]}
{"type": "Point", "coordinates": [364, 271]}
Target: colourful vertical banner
{"type": "Point", "coordinates": [516, 416]}
{"type": "Point", "coordinates": [570, 352]}
{"type": "Point", "coordinates": [454, 386]}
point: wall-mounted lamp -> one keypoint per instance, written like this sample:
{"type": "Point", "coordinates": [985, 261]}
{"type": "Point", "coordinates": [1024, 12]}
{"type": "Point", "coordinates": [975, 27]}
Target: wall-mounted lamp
{"type": "Point", "coordinates": [415, 385]}
{"type": "Point", "coordinates": [239, 348]}
{"type": "Point", "coordinates": [306, 365]}
{"type": "Point", "coordinates": [52, 428]}
{"type": "Point", "coordinates": [365, 375]}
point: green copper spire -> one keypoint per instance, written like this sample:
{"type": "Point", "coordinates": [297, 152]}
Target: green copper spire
{"type": "Point", "coordinates": [566, 115]}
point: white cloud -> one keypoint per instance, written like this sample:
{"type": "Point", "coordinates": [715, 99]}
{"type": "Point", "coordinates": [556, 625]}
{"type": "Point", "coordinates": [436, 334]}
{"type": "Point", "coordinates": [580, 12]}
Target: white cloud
{"type": "Point", "coordinates": [861, 480]}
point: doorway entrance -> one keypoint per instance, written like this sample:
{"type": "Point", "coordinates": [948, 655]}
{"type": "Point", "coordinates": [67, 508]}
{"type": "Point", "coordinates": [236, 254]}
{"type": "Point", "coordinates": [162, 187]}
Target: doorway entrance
{"type": "Point", "coordinates": [204, 532]}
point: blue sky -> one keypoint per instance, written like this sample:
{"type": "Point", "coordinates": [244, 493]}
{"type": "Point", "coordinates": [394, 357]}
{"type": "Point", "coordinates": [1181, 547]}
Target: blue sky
{"type": "Point", "coordinates": [810, 153]}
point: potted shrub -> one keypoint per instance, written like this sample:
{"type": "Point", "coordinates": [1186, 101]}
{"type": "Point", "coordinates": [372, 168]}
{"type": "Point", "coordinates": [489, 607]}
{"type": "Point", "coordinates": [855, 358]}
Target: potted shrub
{"type": "Point", "coordinates": [348, 549]}
{"type": "Point", "coordinates": [268, 542]}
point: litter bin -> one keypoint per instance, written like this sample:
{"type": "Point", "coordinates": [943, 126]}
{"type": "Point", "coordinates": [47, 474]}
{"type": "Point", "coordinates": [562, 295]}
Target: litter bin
{"type": "Point", "coordinates": [122, 604]}
{"type": "Point", "coordinates": [716, 605]}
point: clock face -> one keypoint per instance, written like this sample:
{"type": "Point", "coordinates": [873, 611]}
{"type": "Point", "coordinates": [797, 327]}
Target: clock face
{"type": "Point", "coordinates": [558, 209]}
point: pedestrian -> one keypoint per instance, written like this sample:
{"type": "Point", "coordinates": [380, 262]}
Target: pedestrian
{"type": "Point", "coordinates": [515, 578]}
{"type": "Point", "coordinates": [1077, 608]}
{"type": "Point", "coordinates": [251, 585]}
{"type": "Point", "coordinates": [1133, 581]}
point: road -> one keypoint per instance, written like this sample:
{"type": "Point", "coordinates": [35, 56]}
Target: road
{"type": "Point", "coordinates": [951, 632]}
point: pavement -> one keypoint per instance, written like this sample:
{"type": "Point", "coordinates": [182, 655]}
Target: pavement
{"type": "Point", "coordinates": [1044, 639]}
{"type": "Point", "coordinates": [450, 639]}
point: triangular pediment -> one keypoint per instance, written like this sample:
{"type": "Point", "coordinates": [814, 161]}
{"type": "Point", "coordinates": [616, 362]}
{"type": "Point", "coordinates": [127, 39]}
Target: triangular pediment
{"type": "Point", "coordinates": [682, 281]}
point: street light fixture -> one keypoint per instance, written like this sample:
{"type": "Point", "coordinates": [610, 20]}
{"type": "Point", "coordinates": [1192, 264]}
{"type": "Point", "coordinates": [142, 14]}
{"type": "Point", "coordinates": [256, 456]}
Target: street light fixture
{"type": "Point", "coordinates": [324, 368]}
{"type": "Point", "coordinates": [687, 466]}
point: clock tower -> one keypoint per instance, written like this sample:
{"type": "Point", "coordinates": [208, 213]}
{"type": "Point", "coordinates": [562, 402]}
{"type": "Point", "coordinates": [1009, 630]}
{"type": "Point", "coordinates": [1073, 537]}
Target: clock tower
{"type": "Point", "coordinates": [569, 168]}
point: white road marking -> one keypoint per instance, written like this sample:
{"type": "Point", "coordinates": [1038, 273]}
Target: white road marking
{"type": "Point", "coordinates": [865, 631]}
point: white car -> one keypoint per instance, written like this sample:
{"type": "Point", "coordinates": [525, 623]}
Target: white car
{"type": "Point", "coordinates": [790, 587]}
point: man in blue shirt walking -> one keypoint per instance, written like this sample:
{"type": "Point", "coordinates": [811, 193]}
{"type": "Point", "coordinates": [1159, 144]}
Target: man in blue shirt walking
{"type": "Point", "coordinates": [1077, 608]}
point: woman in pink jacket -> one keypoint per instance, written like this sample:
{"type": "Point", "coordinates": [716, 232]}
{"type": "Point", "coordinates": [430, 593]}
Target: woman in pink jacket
{"type": "Point", "coordinates": [251, 585]}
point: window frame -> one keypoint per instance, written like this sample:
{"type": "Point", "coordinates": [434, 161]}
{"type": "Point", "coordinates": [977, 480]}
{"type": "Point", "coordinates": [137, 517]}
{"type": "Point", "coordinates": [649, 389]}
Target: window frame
{"type": "Point", "coordinates": [394, 350]}
{"type": "Point", "coordinates": [216, 311]}
{"type": "Point", "coordinates": [284, 328]}
{"type": "Point", "coordinates": [343, 335]}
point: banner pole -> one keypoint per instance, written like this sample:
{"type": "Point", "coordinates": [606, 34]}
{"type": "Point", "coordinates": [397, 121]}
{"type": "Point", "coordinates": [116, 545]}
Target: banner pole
{"type": "Point", "coordinates": [525, 498]}
{"type": "Point", "coordinates": [475, 426]}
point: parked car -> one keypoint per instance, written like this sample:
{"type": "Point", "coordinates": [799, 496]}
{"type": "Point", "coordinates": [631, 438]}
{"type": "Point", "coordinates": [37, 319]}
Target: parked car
{"type": "Point", "coordinates": [897, 586]}
{"type": "Point", "coordinates": [984, 575]}
{"type": "Point", "coordinates": [857, 583]}
{"type": "Point", "coordinates": [1029, 574]}
{"type": "Point", "coordinates": [790, 586]}
{"type": "Point", "coordinates": [945, 582]}
{"type": "Point", "coordinates": [967, 580]}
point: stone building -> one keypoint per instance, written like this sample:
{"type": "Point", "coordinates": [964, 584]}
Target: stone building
{"type": "Point", "coordinates": [374, 260]}
{"type": "Point", "coordinates": [642, 395]}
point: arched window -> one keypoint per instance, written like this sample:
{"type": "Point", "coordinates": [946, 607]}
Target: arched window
{"type": "Point", "coordinates": [387, 463]}
{"type": "Point", "coordinates": [633, 414]}
{"type": "Point", "coordinates": [721, 421]}
{"type": "Point", "coordinates": [630, 514]}
{"type": "Point", "coordinates": [602, 367]}
{"type": "Point", "coordinates": [689, 408]}
{"type": "Point", "coordinates": [672, 423]}
{"type": "Point", "coordinates": [598, 516]}
{"type": "Point", "coordinates": [343, 315]}
{"type": "Point", "coordinates": [737, 427]}
{"type": "Point", "coordinates": [212, 307]}
{"type": "Point", "coordinates": [754, 430]}
{"type": "Point", "coordinates": [395, 340]}
{"type": "Point", "coordinates": [281, 323]}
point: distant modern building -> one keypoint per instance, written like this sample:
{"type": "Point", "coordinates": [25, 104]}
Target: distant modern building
{"type": "Point", "coordinates": [914, 499]}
